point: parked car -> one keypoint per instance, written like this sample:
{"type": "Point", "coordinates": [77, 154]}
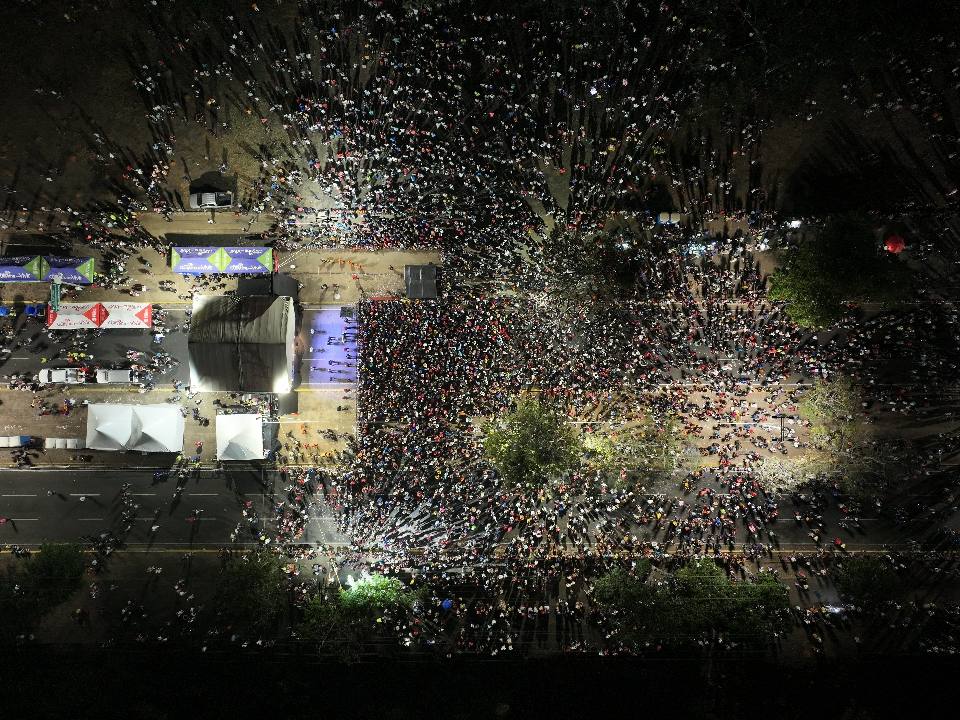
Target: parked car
{"type": "Point", "coordinates": [68, 376]}
{"type": "Point", "coordinates": [122, 377]}
{"type": "Point", "coordinates": [210, 200]}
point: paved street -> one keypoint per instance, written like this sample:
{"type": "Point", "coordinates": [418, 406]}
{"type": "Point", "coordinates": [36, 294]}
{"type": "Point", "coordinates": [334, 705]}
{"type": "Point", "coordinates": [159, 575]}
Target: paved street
{"type": "Point", "coordinates": [46, 506]}
{"type": "Point", "coordinates": [30, 343]}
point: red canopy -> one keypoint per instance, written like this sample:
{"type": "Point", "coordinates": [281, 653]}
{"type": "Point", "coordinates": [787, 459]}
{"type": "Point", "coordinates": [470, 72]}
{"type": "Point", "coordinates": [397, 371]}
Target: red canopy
{"type": "Point", "coordinates": [895, 244]}
{"type": "Point", "coordinates": [74, 316]}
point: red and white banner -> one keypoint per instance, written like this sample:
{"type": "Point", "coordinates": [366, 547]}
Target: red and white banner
{"type": "Point", "coordinates": [108, 315]}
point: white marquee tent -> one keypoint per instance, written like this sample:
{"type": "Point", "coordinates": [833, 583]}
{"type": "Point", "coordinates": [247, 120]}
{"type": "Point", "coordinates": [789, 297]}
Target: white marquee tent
{"type": "Point", "coordinates": [146, 428]}
{"type": "Point", "coordinates": [240, 437]}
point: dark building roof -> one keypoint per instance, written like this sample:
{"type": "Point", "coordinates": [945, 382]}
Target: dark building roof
{"type": "Point", "coordinates": [241, 343]}
{"type": "Point", "coordinates": [421, 281]}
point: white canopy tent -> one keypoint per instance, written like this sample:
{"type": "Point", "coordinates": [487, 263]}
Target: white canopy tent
{"type": "Point", "coordinates": [240, 437]}
{"type": "Point", "coordinates": [146, 428]}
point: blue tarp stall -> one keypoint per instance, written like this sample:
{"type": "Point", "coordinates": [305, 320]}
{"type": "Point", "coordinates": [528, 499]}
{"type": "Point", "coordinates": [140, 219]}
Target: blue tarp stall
{"type": "Point", "coordinates": [44, 268]}
{"type": "Point", "coordinates": [222, 260]}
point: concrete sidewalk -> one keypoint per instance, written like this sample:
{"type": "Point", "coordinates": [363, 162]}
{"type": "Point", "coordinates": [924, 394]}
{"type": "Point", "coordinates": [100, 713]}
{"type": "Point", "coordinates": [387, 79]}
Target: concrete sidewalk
{"type": "Point", "coordinates": [312, 268]}
{"type": "Point", "coordinates": [22, 419]}
{"type": "Point", "coordinates": [317, 412]}
{"type": "Point", "coordinates": [357, 273]}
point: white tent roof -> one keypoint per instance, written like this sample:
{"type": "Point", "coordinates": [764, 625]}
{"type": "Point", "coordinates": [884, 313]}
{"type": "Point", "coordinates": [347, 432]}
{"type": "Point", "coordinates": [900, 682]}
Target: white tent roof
{"type": "Point", "coordinates": [239, 437]}
{"type": "Point", "coordinates": [147, 428]}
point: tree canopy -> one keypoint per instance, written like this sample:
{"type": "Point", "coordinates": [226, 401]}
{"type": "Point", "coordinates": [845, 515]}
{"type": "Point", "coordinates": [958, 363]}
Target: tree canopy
{"type": "Point", "coordinates": [31, 589]}
{"type": "Point", "coordinates": [341, 622]}
{"type": "Point", "coordinates": [867, 580]}
{"type": "Point", "coordinates": [375, 594]}
{"type": "Point", "coordinates": [643, 448]}
{"type": "Point", "coordinates": [843, 262]}
{"type": "Point", "coordinates": [250, 594]}
{"type": "Point", "coordinates": [699, 602]}
{"type": "Point", "coordinates": [531, 444]}
{"type": "Point", "coordinates": [842, 436]}
{"type": "Point", "coordinates": [835, 410]}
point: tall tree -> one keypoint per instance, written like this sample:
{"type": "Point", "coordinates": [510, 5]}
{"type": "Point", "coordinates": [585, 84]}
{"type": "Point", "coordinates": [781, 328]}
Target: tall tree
{"type": "Point", "coordinates": [843, 262]}
{"type": "Point", "coordinates": [699, 602]}
{"type": "Point", "coordinates": [531, 445]}
{"type": "Point", "coordinates": [640, 450]}
{"type": "Point", "coordinates": [251, 593]}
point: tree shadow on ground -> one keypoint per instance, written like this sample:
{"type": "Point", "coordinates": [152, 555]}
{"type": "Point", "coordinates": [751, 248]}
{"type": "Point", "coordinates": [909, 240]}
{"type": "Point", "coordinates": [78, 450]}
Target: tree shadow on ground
{"type": "Point", "coordinates": [851, 173]}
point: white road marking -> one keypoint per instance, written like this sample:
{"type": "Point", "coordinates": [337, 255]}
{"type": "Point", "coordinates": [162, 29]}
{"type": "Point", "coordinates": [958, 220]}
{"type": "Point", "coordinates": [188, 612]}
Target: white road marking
{"type": "Point", "coordinates": [23, 495]}
{"type": "Point", "coordinates": [143, 494]}
{"type": "Point", "coordinates": [202, 494]}
{"type": "Point", "coordinates": [85, 494]}
{"type": "Point", "coordinates": [23, 519]}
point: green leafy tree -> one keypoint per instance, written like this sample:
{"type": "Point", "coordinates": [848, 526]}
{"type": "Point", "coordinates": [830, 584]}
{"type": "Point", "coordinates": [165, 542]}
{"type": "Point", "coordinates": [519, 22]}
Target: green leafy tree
{"type": "Point", "coordinates": [607, 265]}
{"type": "Point", "coordinates": [53, 574]}
{"type": "Point", "coordinates": [776, 472]}
{"type": "Point", "coordinates": [341, 622]}
{"type": "Point", "coordinates": [622, 587]}
{"type": "Point", "coordinates": [867, 580]}
{"type": "Point", "coordinates": [531, 445]}
{"type": "Point", "coordinates": [375, 594]}
{"type": "Point", "coordinates": [17, 613]}
{"type": "Point", "coordinates": [251, 593]}
{"type": "Point", "coordinates": [844, 262]}
{"type": "Point", "coordinates": [835, 410]}
{"type": "Point", "coordinates": [700, 602]}
{"type": "Point", "coordinates": [841, 435]}
{"type": "Point", "coordinates": [643, 449]}
{"type": "Point", "coordinates": [30, 589]}
{"type": "Point", "coordinates": [326, 623]}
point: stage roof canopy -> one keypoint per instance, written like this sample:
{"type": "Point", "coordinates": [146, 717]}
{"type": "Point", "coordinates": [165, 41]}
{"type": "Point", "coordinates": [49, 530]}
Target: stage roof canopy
{"type": "Point", "coordinates": [146, 428]}
{"type": "Point", "coordinates": [240, 437]}
{"type": "Point", "coordinates": [242, 344]}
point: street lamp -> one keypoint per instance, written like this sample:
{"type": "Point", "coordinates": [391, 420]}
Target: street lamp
{"type": "Point", "coordinates": [781, 416]}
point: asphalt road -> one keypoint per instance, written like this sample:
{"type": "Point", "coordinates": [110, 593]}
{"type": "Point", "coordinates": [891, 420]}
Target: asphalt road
{"type": "Point", "coordinates": [87, 502]}
{"type": "Point", "coordinates": [109, 349]}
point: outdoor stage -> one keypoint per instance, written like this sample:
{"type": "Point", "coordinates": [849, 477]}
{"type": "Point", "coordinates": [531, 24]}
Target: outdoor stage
{"type": "Point", "coordinates": [327, 339]}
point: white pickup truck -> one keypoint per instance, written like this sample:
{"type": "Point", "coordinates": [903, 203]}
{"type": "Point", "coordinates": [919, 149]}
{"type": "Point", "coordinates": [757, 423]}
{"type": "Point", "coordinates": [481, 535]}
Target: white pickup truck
{"type": "Point", "coordinates": [67, 376]}
{"type": "Point", "coordinates": [118, 377]}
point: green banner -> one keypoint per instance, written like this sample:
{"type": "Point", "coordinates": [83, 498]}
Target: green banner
{"type": "Point", "coordinates": [37, 267]}
{"type": "Point", "coordinates": [220, 260]}
{"type": "Point", "coordinates": [267, 259]}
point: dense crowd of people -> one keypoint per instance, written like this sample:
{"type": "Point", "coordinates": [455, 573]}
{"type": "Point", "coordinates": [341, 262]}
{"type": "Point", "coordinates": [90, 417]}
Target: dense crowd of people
{"type": "Point", "coordinates": [419, 491]}
{"type": "Point", "coordinates": [496, 139]}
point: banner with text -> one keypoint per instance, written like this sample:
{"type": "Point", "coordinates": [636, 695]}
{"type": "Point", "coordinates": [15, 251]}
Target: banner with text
{"type": "Point", "coordinates": [222, 260]}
